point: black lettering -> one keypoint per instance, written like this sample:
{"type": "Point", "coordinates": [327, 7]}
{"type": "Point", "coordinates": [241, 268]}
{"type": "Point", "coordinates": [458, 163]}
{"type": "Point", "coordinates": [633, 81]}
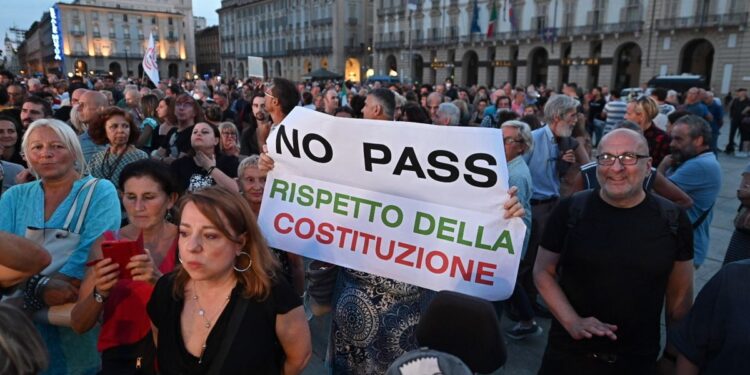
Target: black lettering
{"type": "Point", "coordinates": [409, 156]}
{"type": "Point", "coordinates": [438, 165]}
{"type": "Point", "coordinates": [294, 147]}
{"type": "Point", "coordinates": [370, 160]}
{"type": "Point", "coordinates": [327, 156]}
{"type": "Point", "coordinates": [482, 171]}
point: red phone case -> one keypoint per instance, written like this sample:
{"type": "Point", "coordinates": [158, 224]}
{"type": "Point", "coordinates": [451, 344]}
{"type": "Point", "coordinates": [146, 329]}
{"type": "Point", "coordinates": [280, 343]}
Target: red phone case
{"type": "Point", "coordinates": [121, 252]}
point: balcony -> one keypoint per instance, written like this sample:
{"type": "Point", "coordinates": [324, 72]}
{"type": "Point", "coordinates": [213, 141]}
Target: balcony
{"type": "Point", "coordinates": [141, 37]}
{"type": "Point", "coordinates": [396, 43]}
{"type": "Point", "coordinates": [112, 36]}
{"type": "Point", "coordinates": [390, 11]}
{"type": "Point", "coordinates": [701, 21]}
{"type": "Point", "coordinates": [322, 21]}
{"type": "Point", "coordinates": [352, 21]}
{"type": "Point", "coordinates": [96, 34]}
{"type": "Point", "coordinates": [172, 38]}
{"type": "Point", "coordinates": [77, 32]}
{"type": "Point", "coordinates": [435, 41]}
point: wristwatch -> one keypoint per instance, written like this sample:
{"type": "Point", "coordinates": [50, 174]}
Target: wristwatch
{"type": "Point", "coordinates": [98, 297]}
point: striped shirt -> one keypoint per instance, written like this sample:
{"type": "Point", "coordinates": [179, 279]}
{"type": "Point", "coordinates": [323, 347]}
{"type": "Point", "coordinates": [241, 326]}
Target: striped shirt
{"type": "Point", "coordinates": [615, 111]}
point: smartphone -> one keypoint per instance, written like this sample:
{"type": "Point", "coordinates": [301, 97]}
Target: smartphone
{"type": "Point", "coordinates": [121, 252]}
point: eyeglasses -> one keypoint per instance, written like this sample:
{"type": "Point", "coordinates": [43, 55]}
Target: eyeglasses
{"type": "Point", "coordinates": [627, 158]}
{"type": "Point", "coordinates": [184, 105]}
{"type": "Point", "coordinates": [511, 140]}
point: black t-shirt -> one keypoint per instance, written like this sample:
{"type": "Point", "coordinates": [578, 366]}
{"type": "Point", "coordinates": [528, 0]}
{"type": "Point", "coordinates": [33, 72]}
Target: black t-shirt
{"type": "Point", "coordinates": [178, 139]}
{"type": "Point", "coordinates": [715, 335]}
{"type": "Point", "coordinates": [191, 177]}
{"type": "Point", "coordinates": [255, 349]}
{"type": "Point", "coordinates": [615, 268]}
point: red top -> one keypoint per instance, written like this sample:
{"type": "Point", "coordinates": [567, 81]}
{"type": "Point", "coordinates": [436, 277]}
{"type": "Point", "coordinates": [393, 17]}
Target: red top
{"type": "Point", "coordinates": [125, 318]}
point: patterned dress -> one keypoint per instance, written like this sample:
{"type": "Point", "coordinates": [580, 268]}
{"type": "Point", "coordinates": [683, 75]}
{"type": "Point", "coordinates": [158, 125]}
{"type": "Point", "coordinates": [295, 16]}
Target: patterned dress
{"type": "Point", "coordinates": [106, 165]}
{"type": "Point", "coordinates": [374, 322]}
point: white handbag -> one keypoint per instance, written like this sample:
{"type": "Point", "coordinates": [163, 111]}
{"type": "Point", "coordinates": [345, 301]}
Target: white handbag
{"type": "Point", "coordinates": [60, 243]}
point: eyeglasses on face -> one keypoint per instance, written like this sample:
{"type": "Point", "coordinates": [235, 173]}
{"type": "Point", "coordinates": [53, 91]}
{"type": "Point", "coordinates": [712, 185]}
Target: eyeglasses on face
{"type": "Point", "coordinates": [627, 158]}
{"type": "Point", "coordinates": [511, 140]}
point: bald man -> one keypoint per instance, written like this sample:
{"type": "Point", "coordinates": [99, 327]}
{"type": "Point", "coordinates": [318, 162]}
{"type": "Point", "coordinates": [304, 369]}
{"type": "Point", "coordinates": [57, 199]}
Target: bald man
{"type": "Point", "coordinates": [626, 253]}
{"type": "Point", "coordinates": [90, 105]}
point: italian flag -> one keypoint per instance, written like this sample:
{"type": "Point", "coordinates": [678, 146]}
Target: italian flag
{"type": "Point", "coordinates": [493, 19]}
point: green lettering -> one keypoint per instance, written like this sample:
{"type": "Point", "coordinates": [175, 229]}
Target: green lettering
{"type": "Point", "coordinates": [505, 242]}
{"type": "Point", "coordinates": [479, 244]}
{"type": "Point", "coordinates": [445, 228]}
{"type": "Point", "coordinates": [399, 216]}
{"type": "Point", "coordinates": [305, 197]}
{"type": "Point", "coordinates": [430, 221]}
{"type": "Point", "coordinates": [279, 186]}
{"type": "Point", "coordinates": [460, 239]}
{"type": "Point", "coordinates": [319, 199]}
{"type": "Point", "coordinates": [339, 201]}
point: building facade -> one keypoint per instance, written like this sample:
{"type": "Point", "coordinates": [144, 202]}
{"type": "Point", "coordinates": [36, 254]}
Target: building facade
{"type": "Point", "coordinates": [619, 43]}
{"type": "Point", "coordinates": [207, 51]}
{"type": "Point", "coordinates": [110, 37]}
{"type": "Point", "coordinates": [296, 37]}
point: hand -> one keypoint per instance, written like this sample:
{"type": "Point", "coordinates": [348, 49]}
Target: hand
{"type": "Point", "coordinates": [143, 268]}
{"type": "Point", "coordinates": [569, 156]}
{"type": "Point", "coordinates": [59, 292]}
{"type": "Point", "coordinates": [512, 206]}
{"type": "Point", "coordinates": [265, 164]}
{"type": "Point", "coordinates": [106, 273]}
{"type": "Point", "coordinates": [586, 328]}
{"type": "Point", "coordinates": [204, 161]}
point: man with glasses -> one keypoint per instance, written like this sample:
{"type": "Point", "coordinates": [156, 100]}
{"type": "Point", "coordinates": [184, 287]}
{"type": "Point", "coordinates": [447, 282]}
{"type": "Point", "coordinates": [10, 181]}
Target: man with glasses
{"type": "Point", "coordinates": [608, 260]}
{"type": "Point", "coordinates": [281, 98]}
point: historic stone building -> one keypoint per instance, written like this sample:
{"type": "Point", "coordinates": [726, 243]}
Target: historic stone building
{"type": "Point", "coordinates": [111, 37]}
{"type": "Point", "coordinates": [207, 51]}
{"type": "Point", "coordinates": [296, 37]}
{"type": "Point", "coordinates": [620, 43]}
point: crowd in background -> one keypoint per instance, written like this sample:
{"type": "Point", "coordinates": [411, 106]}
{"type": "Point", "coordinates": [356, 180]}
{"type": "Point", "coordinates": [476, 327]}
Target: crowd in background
{"type": "Point", "coordinates": [180, 166]}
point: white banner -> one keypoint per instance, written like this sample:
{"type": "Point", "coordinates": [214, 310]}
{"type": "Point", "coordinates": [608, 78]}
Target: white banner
{"type": "Point", "coordinates": [150, 67]}
{"type": "Point", "coordinates": [417, 203]}
{"type": "Point", "coordinates": [255, 67]}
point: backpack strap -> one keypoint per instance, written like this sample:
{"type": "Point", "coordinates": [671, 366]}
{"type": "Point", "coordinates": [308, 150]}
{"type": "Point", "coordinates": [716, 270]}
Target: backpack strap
{"type": "Point", "coordinates": [578, 202]}
{"type": "Point", "coordinates": [702, 218]}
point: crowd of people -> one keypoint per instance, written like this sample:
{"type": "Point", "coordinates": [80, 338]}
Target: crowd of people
{"type": "Point", "coordinates": [617, 195]}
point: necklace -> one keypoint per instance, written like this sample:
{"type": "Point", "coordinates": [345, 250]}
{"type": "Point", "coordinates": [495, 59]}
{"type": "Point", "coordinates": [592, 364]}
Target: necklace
{"type": "Point", "coordinates": [110, 171]}
{"type": "Point", "coordinates": [207, 322]}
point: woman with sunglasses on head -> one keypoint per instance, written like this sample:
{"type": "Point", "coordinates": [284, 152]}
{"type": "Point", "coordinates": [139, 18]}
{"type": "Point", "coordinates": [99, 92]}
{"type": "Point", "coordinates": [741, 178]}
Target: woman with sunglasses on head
{"type": "Point", "coordinates": [148, 194]}
{"type": "Point", "coordinates": [226, 309]}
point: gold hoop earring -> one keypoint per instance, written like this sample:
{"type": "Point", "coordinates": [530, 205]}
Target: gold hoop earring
{"type": "Point", "coordinates": [249, 264]}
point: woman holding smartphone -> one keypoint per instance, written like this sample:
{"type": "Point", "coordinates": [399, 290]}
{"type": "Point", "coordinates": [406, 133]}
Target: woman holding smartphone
{"type": "Point", "coordinates": [149, 192]}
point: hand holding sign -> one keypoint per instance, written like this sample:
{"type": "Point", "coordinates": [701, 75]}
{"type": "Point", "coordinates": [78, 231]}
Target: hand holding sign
{"type": "Point", "coordinates": [406, 201]}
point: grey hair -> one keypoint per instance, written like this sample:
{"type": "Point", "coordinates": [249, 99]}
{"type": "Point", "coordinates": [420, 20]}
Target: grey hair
{"type": "Point", "coordinates": [232, 127]}
{"type": "Point", "coordinates": [450, 109]}
{"type": "Point", "coordinates": [697, 127]}
{"type": "Point", "coordinates": [22, 350]}
{"type": "Point", "coordinates": [558, 106]}
{"type": "Point", "coordinates": [524, 130]}
{"type": "Point", "coordinates": [67, 136]}
{"type": "Point", "coordinates": [250, 161]}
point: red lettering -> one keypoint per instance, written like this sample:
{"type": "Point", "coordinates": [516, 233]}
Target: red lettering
{"type": "Point", "coordinates": [482, 272]}
{"type": "Point", "coordinates": [353, 247]}
{"type": "Point", "coordinates": [408, 249]}
{"type": "Point", "coordinates": [380, 254]}
{"type": "Point", "coordinates": [368, 237]}
{"type": "Point", "coordinates": [430, 266]}
{"type": "Point", "coordinates": [325, 235]}
{"type": "Point", "coordinates": [420, 255]}
{"type": "Point", "coordinates": [344, 231]}
{"type": "Point", "coordinates": [457, 264]}
{"type": "Point", "coordinates": [298, 228]}
{"type": "Point", "coordinates": [277, 221]}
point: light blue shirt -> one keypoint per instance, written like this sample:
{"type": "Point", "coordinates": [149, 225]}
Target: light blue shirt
{"type": "Point", "coordinates": [22, 206]}
{"type": "Point", "coordinates": [542, 162]}
{"type": "Point", "coordinates": [700, 178]}
{"type": "Point", "coordinates": [88, 146]}
{"type": "Point", "coordinates": [520, 177]}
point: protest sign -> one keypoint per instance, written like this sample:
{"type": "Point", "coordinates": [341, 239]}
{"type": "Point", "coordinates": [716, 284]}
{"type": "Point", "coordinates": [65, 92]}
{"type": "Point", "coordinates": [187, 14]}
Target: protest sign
{"type": "Point", "coordinates": [416, 203]}
{"type": "Point", "coordinates": [255, 67]}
